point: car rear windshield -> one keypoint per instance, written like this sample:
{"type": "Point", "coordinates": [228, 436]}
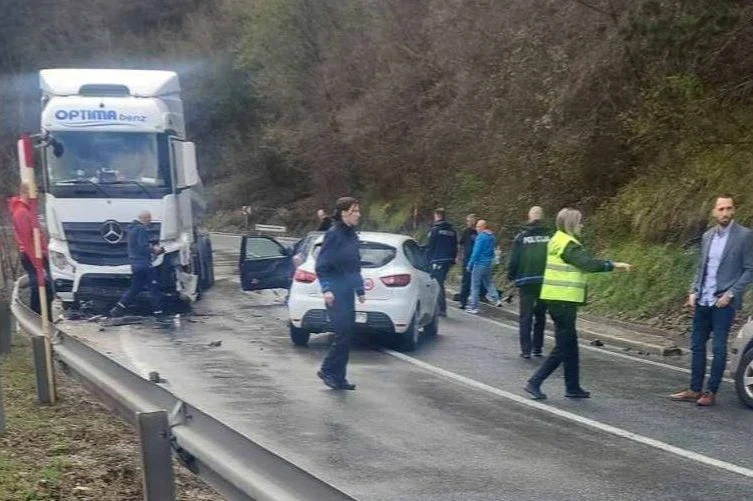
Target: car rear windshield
{"type": "Point", "coordinates": [373, 254]}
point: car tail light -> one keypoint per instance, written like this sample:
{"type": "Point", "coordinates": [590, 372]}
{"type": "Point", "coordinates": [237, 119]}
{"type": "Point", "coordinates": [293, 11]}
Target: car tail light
{"type": "Point", "coordinates": [396, 280]}
{"type": "Point", "coordinates": [304, 276]}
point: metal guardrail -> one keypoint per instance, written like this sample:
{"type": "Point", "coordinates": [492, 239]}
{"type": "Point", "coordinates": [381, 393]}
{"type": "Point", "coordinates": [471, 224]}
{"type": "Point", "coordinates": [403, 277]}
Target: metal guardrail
{"type": "Point", "coordinates": [234, 465]}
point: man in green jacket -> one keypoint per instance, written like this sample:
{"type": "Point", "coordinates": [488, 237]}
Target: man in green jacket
{"type": "Point", "coordinates": [526, 269]}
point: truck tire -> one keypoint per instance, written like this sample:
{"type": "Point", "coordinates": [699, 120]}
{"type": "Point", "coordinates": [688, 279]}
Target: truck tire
{"type": "Point", "coordinates": [745, 370]}
{"type": "Point", "coordinates": [206, 263]}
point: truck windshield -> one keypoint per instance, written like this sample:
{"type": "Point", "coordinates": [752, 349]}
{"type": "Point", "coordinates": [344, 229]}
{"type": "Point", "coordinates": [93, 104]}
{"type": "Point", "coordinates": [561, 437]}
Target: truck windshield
{"type": "Point", "coordinates": [109, 164]}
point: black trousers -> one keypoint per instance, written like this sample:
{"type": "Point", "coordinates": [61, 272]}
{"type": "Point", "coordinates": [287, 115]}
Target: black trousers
{"type": "Point", "coordinates": [532, 318]}
{"type": "Point", "coordinates": [34, 302]}
{"type": "Point", "coordinates": [439, 272]}
{"type": "Point", "coordinates": [565, 350]}
{"type": "Point", "coordinates": [342, 316]}
{"type": "Point", "coordinates": [144, 277]}
{"type": "Point", "coordinates": [465, 287]}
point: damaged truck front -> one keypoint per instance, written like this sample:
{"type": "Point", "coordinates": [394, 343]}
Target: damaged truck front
{"type": "Point", "coordinates": [112, 144]}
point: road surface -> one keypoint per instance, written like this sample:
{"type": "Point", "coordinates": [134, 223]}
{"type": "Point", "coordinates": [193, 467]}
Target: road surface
{"type": "Point", "coordinates": [449, 421]}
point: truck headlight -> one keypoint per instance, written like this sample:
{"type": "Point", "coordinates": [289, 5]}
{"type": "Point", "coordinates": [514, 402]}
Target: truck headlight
{"type": "Point", "coordinates": [60, 262]}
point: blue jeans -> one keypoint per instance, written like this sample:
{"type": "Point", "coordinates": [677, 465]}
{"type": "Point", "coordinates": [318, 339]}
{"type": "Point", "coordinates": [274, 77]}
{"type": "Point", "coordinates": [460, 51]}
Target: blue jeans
{"type": "Point", "coordinates": [481, 276]}
{"type": "Point", "coordinates": [708, 319]}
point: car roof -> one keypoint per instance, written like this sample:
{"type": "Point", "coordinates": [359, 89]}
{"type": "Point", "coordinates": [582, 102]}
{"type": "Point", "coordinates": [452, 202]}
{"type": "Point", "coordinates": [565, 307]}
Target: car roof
{"type": "Point", "coordinates": [392, 239]}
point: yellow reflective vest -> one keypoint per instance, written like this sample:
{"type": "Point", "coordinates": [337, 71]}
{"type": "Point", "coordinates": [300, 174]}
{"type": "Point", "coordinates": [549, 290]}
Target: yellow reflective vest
{"type": "Point", "coordinates": [562, 281]}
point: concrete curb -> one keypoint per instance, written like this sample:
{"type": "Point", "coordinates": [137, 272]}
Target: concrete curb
{"type": "Point", "coordinates": [587, 330]}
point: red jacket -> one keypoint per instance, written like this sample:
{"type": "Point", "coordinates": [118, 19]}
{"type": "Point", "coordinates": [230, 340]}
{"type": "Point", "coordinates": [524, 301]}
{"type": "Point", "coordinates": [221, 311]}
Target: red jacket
{"type": "Point", "coordinates": [25, 219]}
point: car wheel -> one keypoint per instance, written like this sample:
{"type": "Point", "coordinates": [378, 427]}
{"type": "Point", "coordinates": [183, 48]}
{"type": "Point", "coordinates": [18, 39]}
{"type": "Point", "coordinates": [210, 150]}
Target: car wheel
{"type": "Point", "coordinates": [744, 379]}
{"type": "Point", "coordinates": [300, 337]}
{"type": "Point", "coordinates": [432, 328]}
{"type": "Point", "coordinates": [409, 339]}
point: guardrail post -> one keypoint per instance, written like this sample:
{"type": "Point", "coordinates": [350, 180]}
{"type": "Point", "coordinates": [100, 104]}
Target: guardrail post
{"type": "Point", "coordinates": [2, 409]}
{"type": "Point", "coordinates": [156, 456]}
{"type": "Point", "coordinates": [6, 328]}
{"type": "Point", "coordinates": [44, 389]}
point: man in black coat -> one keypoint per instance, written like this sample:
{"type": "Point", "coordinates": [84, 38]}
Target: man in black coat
{"type": "Point", "coordinates": [441, 251]}
{"type": "Point", "coordinates": [526, 269]}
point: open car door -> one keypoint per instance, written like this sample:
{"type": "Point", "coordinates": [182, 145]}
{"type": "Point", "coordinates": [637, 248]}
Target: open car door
{"type": "Point", "coordinates": [264, 264]}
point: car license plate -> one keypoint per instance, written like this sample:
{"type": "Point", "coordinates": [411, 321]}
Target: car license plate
{"type": "Point", "coordinates": [361, 317]}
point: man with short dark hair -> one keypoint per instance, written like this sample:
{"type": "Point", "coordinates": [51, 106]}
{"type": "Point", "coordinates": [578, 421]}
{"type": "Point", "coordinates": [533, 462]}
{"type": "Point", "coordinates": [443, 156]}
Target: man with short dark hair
{"type": "Point", "coordinates": [325, 222]}
{"type": "Point", "coordinates": [526, 269]}
{"type": "Point", "coordinates": [467, 239]}
{"type": "Point", "coordinates": [441, 252]}
{"type": "Point", "coordinates": [724, 271]}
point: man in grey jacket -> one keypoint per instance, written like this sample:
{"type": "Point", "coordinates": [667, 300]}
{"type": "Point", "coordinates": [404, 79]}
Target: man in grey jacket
{"type": "Point", "coordinates": [724, 271]}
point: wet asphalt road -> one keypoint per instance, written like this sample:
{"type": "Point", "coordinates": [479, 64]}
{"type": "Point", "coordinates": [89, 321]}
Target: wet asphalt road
{"type": "Point", "coordinates": [409, 433]}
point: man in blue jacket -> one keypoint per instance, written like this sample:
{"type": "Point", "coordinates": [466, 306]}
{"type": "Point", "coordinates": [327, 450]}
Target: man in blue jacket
{"type": "Point", "coordinates": [140, 252]}
{"type": "Point", "coordinates": [442, 250]}
{"type": "Point", "coordinates": [480, 265]}
{"type": "Point", "coordinates": [527, 263]}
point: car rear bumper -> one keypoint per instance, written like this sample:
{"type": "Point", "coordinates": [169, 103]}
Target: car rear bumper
{"type": "Point", "coordinates": [317, 321]}
{"type": "Point", "coordinates": [388, 316]}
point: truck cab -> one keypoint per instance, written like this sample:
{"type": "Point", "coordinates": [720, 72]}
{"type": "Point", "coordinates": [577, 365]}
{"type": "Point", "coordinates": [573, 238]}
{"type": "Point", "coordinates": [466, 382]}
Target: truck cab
{"type": "Point", "coordinates": [113, 144]}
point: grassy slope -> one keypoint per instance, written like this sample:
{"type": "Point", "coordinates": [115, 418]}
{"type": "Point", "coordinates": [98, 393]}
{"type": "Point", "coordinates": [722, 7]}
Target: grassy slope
{"type": "Point", "coordinates": [75, 450]}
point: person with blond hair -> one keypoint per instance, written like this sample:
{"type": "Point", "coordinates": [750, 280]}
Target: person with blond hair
{"type": "Point", "coordinates": [563, 290]}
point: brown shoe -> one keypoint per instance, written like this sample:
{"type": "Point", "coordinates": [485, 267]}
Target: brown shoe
{"type": "Point", "coordinates": [686, 396]}
{"type": "Point", "coordinates": [707, 400]}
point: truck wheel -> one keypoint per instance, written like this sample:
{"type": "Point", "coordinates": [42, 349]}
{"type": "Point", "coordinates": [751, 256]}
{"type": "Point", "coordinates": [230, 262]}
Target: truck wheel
{"type": "Point", "coordinates": [209, 263]}
{"type": "Point", "coordinates": [300, 337]}
{"type": "Point", "coordinates": [744, 379]}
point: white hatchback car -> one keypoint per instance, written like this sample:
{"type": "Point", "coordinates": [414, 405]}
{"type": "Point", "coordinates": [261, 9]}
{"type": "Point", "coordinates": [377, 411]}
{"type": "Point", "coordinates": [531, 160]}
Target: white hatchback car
{"type": "Point", "coordinates": [401, 295]}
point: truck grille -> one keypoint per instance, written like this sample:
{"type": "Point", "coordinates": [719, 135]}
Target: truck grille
{"type": "Point", "coordinates": [87, 244]}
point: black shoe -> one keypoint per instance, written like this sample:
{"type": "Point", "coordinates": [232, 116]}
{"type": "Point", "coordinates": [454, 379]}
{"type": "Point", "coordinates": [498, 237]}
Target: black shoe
{"type": "Point", "coordinates": [578, 394]}
{"type": "Point", "coordinates": [345, 385]}
{"type": "Point", "coordinates": [118, 311]}
{"type": "Point", "coordinates": [525, 355]}
{"type": "Point", "coordinates": [328, 380]}
{"type": "Point", "coordinates": [534, 391]}
{"type": "Point", "coordinates": [537, 354]}
{"type": "Point", "coordinates": [461, 306]}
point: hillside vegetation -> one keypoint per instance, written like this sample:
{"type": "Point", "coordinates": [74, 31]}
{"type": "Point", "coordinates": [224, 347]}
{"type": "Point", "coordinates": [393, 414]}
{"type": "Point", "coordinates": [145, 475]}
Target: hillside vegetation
{"type": "Point", "coordinates": [638, 112]}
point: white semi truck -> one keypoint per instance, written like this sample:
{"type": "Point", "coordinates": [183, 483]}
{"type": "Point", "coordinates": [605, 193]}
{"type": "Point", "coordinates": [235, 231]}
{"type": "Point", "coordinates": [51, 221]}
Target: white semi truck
{"type": "Point", "coordinates": [113, 144]}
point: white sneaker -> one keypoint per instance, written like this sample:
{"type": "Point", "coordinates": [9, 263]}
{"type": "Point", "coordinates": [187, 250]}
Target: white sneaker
{"type": "Point", "coordinates": [498, 303]}
{"type": "Point", "coordinates": [472, 311]}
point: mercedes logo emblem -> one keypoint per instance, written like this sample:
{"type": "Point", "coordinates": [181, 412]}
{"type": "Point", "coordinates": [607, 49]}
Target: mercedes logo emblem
{"type": "Point", "coordinates": [111, 232]}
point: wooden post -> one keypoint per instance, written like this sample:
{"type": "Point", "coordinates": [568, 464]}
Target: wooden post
{"type": "Point", "coordinates": [26, 158]}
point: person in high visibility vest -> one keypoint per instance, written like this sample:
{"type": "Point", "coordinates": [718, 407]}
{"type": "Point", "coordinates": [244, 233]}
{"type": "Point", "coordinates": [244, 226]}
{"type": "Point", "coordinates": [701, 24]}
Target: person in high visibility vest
{"type": "Point", "coordinates": [563, 290]}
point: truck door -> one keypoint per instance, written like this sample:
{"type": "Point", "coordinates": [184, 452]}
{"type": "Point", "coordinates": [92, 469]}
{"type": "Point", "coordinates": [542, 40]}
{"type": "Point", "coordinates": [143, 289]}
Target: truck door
{"type": "Point", "coordinates": [264, 264]}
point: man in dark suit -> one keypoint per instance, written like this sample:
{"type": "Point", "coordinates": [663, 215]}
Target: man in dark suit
{"type": "Point", "coordinates": [724, 271]}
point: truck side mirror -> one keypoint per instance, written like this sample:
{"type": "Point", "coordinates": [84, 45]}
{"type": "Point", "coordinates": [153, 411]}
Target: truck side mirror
{"type": "Point", "coordinates": [184, 154]}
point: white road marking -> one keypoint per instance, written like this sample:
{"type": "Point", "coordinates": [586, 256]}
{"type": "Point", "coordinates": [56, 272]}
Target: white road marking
{"type": "Point", "coordinates": [602, 351]}
{"type": "Point", "coordinates": [591, 423]}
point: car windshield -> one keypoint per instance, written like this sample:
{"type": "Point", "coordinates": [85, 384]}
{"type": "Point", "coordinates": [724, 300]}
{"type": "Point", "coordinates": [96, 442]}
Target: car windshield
{"type": "Point", "coordinates": [118, 159]}
{"type": "Point", "coordinates": [373, 254]}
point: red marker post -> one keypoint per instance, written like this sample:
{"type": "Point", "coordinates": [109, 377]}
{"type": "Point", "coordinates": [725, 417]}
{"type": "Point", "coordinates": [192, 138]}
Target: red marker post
{"type": "Point", "coordinates": [26, 161]}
